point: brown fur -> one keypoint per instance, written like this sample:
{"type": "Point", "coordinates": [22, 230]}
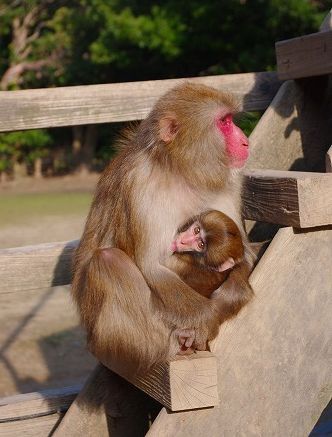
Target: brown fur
{"type": "Point", "coordinates": [199, 270]}
{"type": "Point", "coordinates": [223, 240]}
{"type": "Point", "coordinates": [136, 313]}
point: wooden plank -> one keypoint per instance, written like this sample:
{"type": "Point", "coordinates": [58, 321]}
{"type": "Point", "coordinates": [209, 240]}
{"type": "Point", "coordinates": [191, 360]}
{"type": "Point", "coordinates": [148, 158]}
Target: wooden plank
{"type": "Point", "coordinates": [276, 141]}
{"type": "Point", "coordinates": [66, 106]}
{"type": "Point", "coordinates": [33, 267]}
{"type": "Point", "coordinates": [294, 132]}
{"type": "Point", "coordinates": [300, 199]}
{"type": "Point", "coordinates": [305, 56]}
{"type": "Point", "coordinates": [108, 405]}
{"type": "Point", "coordinates": [275, 373]}
{"type": "Point", "coordinates": [41, 426]}
{"type": "Point", "coordinates": [184, 383]}
{"type": "Point", "coordinates": [35, 404]}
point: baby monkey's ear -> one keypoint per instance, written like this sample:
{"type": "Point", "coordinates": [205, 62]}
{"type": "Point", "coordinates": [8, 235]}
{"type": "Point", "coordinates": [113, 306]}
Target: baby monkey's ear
{"type": "Point", "coordinates": [228, 264]}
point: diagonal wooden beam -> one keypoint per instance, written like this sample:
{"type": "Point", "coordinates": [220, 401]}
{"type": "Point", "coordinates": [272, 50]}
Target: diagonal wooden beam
{"type": "Point", "coordinates": [275, 357]}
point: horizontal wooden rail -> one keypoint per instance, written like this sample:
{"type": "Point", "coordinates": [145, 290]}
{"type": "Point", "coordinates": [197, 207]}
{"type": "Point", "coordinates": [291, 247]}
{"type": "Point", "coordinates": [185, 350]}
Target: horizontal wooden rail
{"type": "Point", "coordinates": [309, 55]}
{"type": "Point", "coordinates": [299, 199]}
{"type": "Point", "coordinates": [67, 106]}
{"type": "Point", "coordinates": [35, 414]}
{"type": "Point", "coordinates": [35, 267]}
{"type": "Point", "coordinates": [35, 404]}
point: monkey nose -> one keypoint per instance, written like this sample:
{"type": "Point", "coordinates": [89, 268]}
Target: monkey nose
{"type": "Point", "coordinates": [187, 241]}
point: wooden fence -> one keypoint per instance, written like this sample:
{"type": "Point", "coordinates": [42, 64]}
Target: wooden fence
{"type": "Point", "coordinates": [274, 371]}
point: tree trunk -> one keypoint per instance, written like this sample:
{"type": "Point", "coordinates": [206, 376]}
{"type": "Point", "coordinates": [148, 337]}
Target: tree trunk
{"type": "Point", "coordinates": [84, 145]}
{"type": "Point", "coordinates": [37, 168]}
{"type": "Point", "coordinates": [19, 170]}
{"type": "Point", "coordinates": [3, 177]}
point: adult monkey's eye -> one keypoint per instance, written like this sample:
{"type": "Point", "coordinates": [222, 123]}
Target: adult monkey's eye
{"type": "Point", "coordinates": [201, 244]}
{"type": "Point", "coordinates": [197, 230]}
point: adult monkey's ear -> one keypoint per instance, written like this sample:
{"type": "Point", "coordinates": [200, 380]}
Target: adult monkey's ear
{"type": "Point", "coordinates": [168, 128]}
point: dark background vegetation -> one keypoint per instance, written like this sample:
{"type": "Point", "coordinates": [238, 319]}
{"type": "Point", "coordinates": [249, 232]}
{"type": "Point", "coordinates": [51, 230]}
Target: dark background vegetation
{"type": "Point", "coordinates": [52, 43]}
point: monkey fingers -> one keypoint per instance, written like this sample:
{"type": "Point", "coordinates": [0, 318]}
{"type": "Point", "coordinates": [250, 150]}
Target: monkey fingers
{"type": "Point", "coordinates": [186, 338]}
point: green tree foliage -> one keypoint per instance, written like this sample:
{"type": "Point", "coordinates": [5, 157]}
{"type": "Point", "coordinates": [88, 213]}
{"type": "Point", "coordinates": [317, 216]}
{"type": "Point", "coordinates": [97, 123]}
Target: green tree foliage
{"type": "Point", "coordinates": [23, 147]}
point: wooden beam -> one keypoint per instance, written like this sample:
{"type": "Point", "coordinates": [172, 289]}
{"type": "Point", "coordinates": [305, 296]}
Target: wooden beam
{"type": "Point", "coordinates": [40, 426]}
{"type": "Point", "coordinates": [185, 383]}
{"type": "Point", "coordinates": [309, 55]}
{"type": "Point", "coordinates": [275, 356]}
{"type": "Point", "coordinates": [66, 106]}
{"type": "Point", "coordinates": [35, 267]}
{"type": "Point", "coordinates": [276, 140]}
{"type": "Point", "coordinates": [182, 384]}
{"type": "Point", "coordinates": [108, 405]}
{"type": "Point", "coordinates": [299, 199]}
{"type": "Point", "coordinates": [35, 414]}
{"type": "Point", "coordinates": [24, 406]}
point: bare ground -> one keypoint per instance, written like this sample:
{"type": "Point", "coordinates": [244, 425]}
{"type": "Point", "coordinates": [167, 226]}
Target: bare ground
{"type": "Point", "coordinates": [41, 345]}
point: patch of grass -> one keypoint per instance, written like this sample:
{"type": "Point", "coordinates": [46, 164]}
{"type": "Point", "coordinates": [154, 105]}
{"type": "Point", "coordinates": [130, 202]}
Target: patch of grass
{"type": "Point", "coordinates": [19, 208]}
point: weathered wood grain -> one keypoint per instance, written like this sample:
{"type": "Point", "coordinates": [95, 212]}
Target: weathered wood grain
{"type": "Point", "coordinates": [185, 383]}
{"type": "Point", "coordinates": [24, 406]}
{"type": "Point", "coordinates": [124, 411]}
{"type": "Point", "coordinates": [275, 373]}
{"type": "Point", "coordinates": [300, 199]}
{"type": "Point", "coordinates": [276, 140]}
{"type": "Point", "coordinates": [35, 414]}
{"type": "Point", "coordinates": [41, 426]}
{"type": "Point", "coordinates": [34, 267]}
{"type": "Point", "coordinates": [294, 132]}
{"type": "Point", "coordinates": [51, 107]}
{"type": "Point", "coordinates": [309, 55]}
{"type": "Point", "coordinates": [182, 384]}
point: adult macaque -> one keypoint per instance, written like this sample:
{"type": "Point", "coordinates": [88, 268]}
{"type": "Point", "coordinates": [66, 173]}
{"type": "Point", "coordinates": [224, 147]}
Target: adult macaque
{"type": "Point", "coordinates": [184, 158]}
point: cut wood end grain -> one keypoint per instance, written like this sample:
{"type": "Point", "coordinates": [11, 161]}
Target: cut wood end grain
{"type": "Point", "coordinates": [185, 383]}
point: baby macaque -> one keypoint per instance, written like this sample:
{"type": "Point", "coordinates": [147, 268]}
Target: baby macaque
{"type": "Point", "coordinates": [205, 249]}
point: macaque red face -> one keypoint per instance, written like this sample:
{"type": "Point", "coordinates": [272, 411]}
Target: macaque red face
{"type": "Point", "coordinates": [237, 144]}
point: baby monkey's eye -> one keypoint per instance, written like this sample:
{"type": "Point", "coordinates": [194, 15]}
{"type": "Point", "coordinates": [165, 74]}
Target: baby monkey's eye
{"type": "Point", "coordinates": [197, 230]}
{"type": "Point", "coordinates": [201, 244]}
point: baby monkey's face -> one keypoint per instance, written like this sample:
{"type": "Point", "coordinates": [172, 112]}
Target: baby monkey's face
{"type": "Point", "coordinates": [192, 239]}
